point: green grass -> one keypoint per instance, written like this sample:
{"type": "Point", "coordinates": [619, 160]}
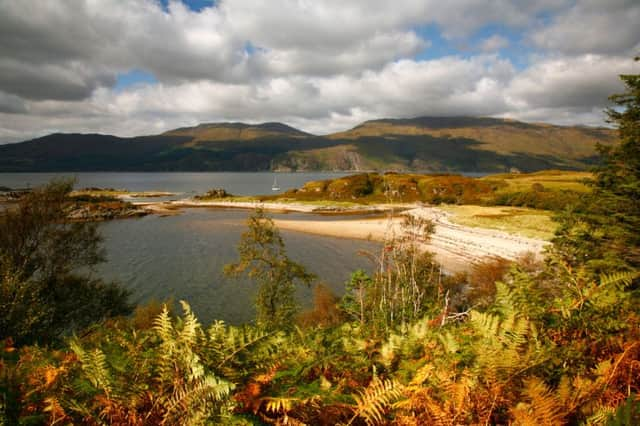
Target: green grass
{"type": "Point", "coordinates": [233, 199]}
{"type": "Point", "coordinates": [553, 180]}
{"type": "Point", "coordinates": [109, 192]}
{"type": "Point", "coordinates": [526, 222]}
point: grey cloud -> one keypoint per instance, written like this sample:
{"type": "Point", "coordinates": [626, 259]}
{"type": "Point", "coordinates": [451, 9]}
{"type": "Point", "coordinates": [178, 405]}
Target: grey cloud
{"type": "Point", "coordinates": [73, 81]}
{"type": "Point", "coordinates": [332, 36]}
{"type": "Point", "coordinates": [372, 53]}
{"type": "Point", "coordinates": [580, 83]}
{"type": "Point", "coordinates": [10, 104]}
{"type": "Point", "coordinates": [594, 26]}
{"type": "Point", "coordinates": [318, 64]}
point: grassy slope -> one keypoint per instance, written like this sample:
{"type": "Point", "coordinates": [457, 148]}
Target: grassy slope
{"type": "Point", "coordinates": [468, 144]}
{"type": "Point", "coordinates": [549, 179]}
{"type": "Point", "coordinates": [216, 132]}
{"type": "Point", "coordinates": [496, 135]}
{"type": "Point", "coordinates": [498, 201]}
{"type": "Point", "coordinates": [531, 223]}
{"type": "Point", "coordinates": [452, 144]}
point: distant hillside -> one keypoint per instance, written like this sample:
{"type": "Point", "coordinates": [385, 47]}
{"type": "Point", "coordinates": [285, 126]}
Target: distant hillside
{"type": "Point", "coordinates": [439, 143]}
{"type": "Point", "coordinates": [424, 144]}
{"type": "Point", "coordinates": [211, 132]}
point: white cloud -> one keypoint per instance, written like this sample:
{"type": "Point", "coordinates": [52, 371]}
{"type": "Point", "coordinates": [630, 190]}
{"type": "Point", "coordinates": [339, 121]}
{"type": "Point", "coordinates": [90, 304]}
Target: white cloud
{"type": "Point", "coordinates": [494, 43]}
{"type": "Point", "coordinates": [319, 65]}
{"type": "Point", "coordinates": [594, 26]}
{"type": "Point", "coordinates": [575, 82]}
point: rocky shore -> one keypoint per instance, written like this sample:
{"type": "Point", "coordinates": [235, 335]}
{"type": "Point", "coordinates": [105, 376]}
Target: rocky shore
{"type": "Point", "coordinates": [102, 211]}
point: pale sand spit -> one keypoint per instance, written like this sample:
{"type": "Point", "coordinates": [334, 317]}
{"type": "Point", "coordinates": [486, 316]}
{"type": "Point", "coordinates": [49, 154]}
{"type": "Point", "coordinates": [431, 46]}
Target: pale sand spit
{"type": "Point", "coordinates": [456, 247]}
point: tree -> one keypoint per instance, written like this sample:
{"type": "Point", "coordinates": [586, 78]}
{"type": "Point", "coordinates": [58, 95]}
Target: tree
{"type": "Point", "coordinates": [355, 302]}
{"type": "Point", "coordinates": [43, 292]}
{"type": "Point", "coordinates": [262, 256]}
{"type": "Point", "coordinates": [601, 232]}
{"type": "Point", "coordinates": [407, 283]}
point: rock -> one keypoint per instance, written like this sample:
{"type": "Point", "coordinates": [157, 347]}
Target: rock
{"type": "Point", "coordinates": [98, 212]}
{"type": "Point", "coordinates": [213, 193]}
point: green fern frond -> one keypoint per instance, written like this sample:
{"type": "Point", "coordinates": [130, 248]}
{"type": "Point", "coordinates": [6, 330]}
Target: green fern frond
{"type": "Point", "coordinates": [618, 278]}
{"type": "Point", "coordinates": [163, 326]}
{"type": "Point", "coordinates": [237, 351]}
{"type": "Point", "coordinates": [449, 342]}
{"type": "Point", "coordinates": [94, 366]}
{"type": "Point", "coordinates": [190, 326]}
{"type": "Point", "coordinates": [190, 401]}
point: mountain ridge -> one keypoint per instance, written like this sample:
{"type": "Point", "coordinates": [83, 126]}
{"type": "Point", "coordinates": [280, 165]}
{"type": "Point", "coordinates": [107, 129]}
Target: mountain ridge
{"type": "Point", "coordinates": [462, 143]}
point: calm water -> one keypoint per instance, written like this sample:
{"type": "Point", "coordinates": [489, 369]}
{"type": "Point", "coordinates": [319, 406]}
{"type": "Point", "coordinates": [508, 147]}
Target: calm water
{"type": "Point", "coordinates": [182, 256]}
{"type": "Point", "coordinates": [184, 184]}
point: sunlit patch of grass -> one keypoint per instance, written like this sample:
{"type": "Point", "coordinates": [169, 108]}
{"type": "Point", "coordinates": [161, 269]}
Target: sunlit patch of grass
{"type": "Point", "coordinates": [554, 180]}
{"type": "Point", "coordinates": [99, 193]}
{"type": "Point", "coordinates": [319, 203]}
{"type": "Point", "coordinates": [109, 192]}
{"type": "Point", "coordinates": [526, 222]}
{"type": "Point", "coordinates": [235, 199]}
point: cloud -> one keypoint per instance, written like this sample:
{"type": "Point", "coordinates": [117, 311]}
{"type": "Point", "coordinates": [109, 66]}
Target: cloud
{"type": "Point", "coordinates": [493, 43]}
{"type": "Point", "coordinates": [594, 26]}
{"type": "Point", "coordinates": [404, 88]}
{"type": "Point", "coordinates": [10, 104]}
{"type": "Point", "coordinates": [581, 83]}
{"type": "Point", "coordinates": [320, 65]}
{"type": "Point", "coordinates": [86, 44]}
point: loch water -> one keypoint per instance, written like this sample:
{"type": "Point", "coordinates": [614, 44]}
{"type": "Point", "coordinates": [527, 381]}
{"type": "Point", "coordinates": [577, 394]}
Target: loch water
{"type": "Point", "coordinates": [182, 257]}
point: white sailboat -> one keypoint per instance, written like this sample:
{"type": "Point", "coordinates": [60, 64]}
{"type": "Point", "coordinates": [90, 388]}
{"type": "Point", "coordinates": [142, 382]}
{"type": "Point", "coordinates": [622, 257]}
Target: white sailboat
{"type": "Point", "coordinates": [275, 186]}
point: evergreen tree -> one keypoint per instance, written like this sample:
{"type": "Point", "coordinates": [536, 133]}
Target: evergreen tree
{"type": "Point", "coordinates": [602, 232]}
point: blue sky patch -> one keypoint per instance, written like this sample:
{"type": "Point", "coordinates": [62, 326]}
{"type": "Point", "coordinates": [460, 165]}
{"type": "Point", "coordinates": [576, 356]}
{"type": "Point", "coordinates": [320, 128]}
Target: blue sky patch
{"type": "Point", "coordinates": [134, 77]}
{"type": "Point", "coordinates": [195, 5]}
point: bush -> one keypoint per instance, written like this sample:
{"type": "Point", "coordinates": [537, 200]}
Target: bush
{"type": "Point", "coordinates": [43, 294]}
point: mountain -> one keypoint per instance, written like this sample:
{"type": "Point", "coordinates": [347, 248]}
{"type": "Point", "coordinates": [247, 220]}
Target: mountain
{"type": "Point", "coordinates": [211, 132]}
{"type": "Point", "coordinates": [453, 144]}
{"type": "Point", "coordinates": [475, 143]}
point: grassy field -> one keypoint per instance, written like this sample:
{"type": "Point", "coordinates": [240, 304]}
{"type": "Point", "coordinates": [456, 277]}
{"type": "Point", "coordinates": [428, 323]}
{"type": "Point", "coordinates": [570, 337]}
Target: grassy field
{"type": "Point", "coordinates": [552, 180]}
{"type": "Point", "coordinates": [548, 190]}
{"type": "Point", "coordinates": [110, 192]}
{"type": "Point", "coordinates": [526, 222]}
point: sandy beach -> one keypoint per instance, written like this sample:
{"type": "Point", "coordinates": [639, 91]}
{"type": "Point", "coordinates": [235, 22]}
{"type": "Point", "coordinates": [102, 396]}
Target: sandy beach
{"type": "Point", "coordinates": [457, 247]}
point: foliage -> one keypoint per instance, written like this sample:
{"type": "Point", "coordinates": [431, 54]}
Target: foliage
{"type": "Point", "coordinates": [262, 256]}
{"type": "Point", "coordinates": [601, 232]}
{"type": "Point", "coordinates": [482, 281]}
{"type": "Point", "coordinates": [407, 283]}
{"type": "Point", "coordinates": [325, 311]}
{"type": "Point", "coordinates": [517, 343]}
{"type": "Point", "coordinates": [43, 294]}
{"type": "Point", "coordinates": [516, 220]}
{"type": "Point", "coordinates": [372, 402]}
{"type": "Point", "coordinates": [537, 199]}
{"type": "Point", "coordinates": [175, 373]}
{"type": "Point", "coordinates": [549, 190]}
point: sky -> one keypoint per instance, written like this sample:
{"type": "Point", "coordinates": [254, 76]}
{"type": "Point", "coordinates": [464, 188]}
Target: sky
{"type": "Point", "coordinates": [134, 67]}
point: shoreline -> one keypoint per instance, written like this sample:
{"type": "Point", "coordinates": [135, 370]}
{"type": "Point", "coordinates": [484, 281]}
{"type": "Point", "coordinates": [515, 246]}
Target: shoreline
{"type": "Point", "coordinates": [457, 247]}
{"type": "Point", "coordinates": [272, 206]}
